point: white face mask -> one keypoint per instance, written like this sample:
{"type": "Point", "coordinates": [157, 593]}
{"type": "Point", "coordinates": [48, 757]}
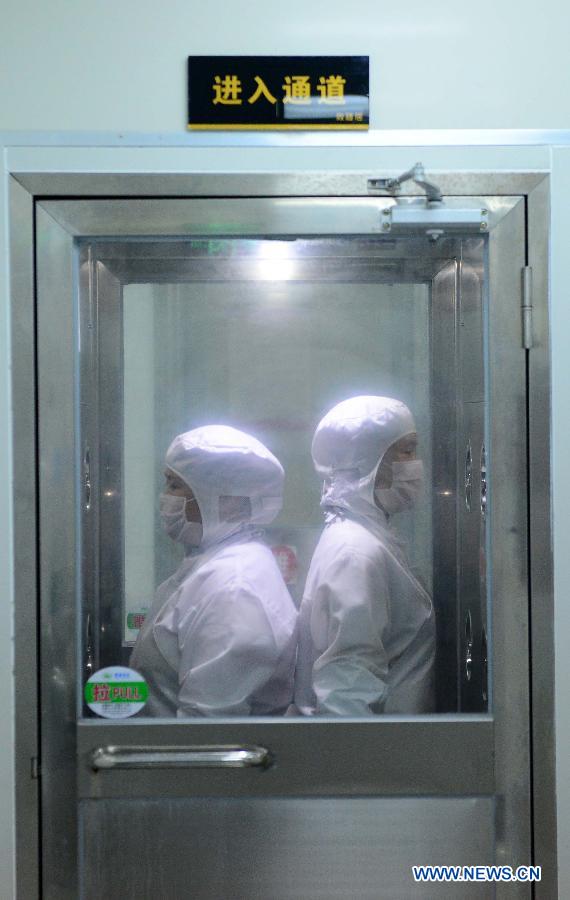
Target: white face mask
{"type": "Point", "coordinates": [407, 483]}
{"type": "Point", "coordinates": [174, 522]}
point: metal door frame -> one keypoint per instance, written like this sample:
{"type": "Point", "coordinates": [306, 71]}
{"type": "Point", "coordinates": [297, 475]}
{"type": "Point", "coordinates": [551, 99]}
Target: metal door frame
{"type": "Point", "coordinates": [25, 191]}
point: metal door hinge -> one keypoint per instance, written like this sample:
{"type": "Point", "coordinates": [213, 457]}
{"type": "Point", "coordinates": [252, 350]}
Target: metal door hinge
{"type": "Point", "coordinates": [527, 307]}
{"type": "Point", "coordinates": [35, 768]}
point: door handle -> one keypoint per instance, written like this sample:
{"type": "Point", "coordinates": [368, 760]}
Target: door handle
{"type": "Point", "coordinates": [199, 757]}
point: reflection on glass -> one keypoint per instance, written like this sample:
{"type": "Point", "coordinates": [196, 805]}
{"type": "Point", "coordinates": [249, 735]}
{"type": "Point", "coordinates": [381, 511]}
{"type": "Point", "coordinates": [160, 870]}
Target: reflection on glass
{"type": "Point", "coordinates": [269, 359]}
{"type": "Point", "coordinates": [265, 342]}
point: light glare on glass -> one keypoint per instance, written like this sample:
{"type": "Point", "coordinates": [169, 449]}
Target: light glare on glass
{"type": "Point", "coordinates": [275, 263]}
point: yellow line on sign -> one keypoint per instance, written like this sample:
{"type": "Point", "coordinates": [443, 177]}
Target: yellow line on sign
{"type": "Point", "coordinates": [342, 126]}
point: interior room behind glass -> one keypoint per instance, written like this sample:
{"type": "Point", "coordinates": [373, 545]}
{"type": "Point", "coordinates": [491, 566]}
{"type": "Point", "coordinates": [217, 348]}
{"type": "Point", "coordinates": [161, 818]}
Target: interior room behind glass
{"type": "Point", "coordinates": [266, 336]}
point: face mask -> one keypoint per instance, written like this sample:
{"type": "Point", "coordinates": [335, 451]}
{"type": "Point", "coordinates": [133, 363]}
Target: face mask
{"type": "Point", "coordinates": [407, 483]}
{"type": "Point", "coordinates": [174, 522]}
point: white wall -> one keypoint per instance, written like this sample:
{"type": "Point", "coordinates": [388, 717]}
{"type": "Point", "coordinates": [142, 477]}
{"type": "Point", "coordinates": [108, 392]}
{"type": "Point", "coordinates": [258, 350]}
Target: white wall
{"type": "Point", "coordinates": [121, 66]}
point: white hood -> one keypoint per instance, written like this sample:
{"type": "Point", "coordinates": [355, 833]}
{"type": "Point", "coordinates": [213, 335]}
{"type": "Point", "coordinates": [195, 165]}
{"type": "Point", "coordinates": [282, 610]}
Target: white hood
{"type": "Point", "coordinates": [348, 447]}
{"type": "Point", "coordinates": [236, 480]}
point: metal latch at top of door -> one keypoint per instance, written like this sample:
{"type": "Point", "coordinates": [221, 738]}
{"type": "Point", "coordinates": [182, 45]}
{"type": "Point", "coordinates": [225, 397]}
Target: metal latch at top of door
{"type": "Point", "coordinates": [434, 221]}
{"type": "Point", "coordinates": [429, 213]}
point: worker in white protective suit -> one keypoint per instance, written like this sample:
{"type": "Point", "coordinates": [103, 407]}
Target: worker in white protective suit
{"type": "Point", "coordinates": [366, 625]}
{"type": "Point", "coordinates": [220, 637]}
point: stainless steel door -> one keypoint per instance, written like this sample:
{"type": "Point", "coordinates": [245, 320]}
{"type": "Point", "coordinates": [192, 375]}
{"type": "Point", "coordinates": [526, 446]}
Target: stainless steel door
{"type": "Point", "coordinates": [345, 805]}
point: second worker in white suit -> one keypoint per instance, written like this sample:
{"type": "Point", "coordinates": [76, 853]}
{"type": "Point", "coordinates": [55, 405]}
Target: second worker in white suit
{"type": "Point", "coordinates": [367, 629]}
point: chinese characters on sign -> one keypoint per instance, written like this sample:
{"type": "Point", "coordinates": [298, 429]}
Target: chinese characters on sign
{"type": "Point", "coordinates": [297, 89]}
{"type": "Point", "coordinates": [274, 92]}
{"type": "Point", "coordinates": [104, 693]}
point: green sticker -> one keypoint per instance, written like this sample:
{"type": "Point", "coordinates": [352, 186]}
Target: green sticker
{"type": "Point", "coordinates": [135, 620]}
{"type": "Point", "coordinates": [116, 692]}
{"type": "Point", "coordinates": [125, 692]}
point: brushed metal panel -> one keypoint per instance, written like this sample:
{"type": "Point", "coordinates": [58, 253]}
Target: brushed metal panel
{"type": "Point", "coordinates": [472, 600]}
{"type": "Point", "coordinates": [108, 489]}
{"type": "Point", "coordinates": [243, 215]}
{"type": "Point", "coordinates": [352, 260]}
{"type": "Point", "coordinates": [59, 542]}
{"type": "Point", "coordinates": [25, 529]}
{"type": "Point", "coordinates": [444, 413]}
{"type": "Point", "coordinates": [149, 184]}
{"type": "Point", "coordinates": [508, 537]}
{"type": "Point", "coordinates": [471, 323]}
{"type": "Point", "coordinates": [388, 755]}
{"type": "Point", "coordinates": [368, 249]}
{"type": "Point", "coordinates": [542, 591]}
{"type": "Point", "coordinates": [317, 849]}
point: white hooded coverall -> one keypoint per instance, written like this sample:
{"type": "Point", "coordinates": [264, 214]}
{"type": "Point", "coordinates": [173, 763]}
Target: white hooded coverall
{"type": "Point", "coordinates": [220, 637]}
{"type": "Point", "coordinates": [366, 625]}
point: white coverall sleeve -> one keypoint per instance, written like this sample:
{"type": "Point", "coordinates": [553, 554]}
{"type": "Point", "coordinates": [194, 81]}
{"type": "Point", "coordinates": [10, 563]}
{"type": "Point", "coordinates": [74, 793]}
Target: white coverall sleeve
{"type": "Point", "coordinates": [350, 617]}
{"type": "Point", "coordinates": [227, 652]}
